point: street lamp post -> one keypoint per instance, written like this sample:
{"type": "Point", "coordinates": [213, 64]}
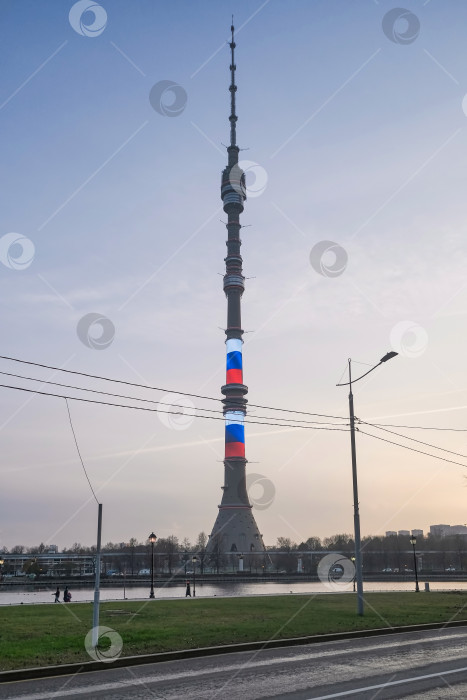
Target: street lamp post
{"type": "Point", "coordinates": [413, 542]}
{"type": "Point", "coordinates": [194, 560]}
{"type": "Point", "coordinates": [352, 559]}
{"type": "Point", "coordinates": [358, 546]}
{"type": "Point", "coordinates": [152, 538]}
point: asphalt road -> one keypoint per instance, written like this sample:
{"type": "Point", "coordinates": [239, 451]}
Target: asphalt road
{"type": "Point", "coordinates": [428, 665]}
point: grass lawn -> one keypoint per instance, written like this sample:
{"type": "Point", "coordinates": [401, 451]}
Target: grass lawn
{"type": "Point", "coordinates": [45, 635]}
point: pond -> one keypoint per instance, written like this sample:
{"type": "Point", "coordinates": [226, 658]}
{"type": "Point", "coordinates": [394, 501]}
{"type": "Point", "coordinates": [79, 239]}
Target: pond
{"type": "Point", "coordinates": [45, 593]}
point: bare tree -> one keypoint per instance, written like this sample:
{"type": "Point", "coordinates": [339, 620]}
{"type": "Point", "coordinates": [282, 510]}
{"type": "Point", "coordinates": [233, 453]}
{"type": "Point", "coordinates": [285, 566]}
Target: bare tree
{"type": "Point", "coordinates": [200, 547]}
{"type": "Point", "coordinates": [168, 546]}
{"type": "Point", "coordinates": [186, 544]}
{"type": "Point", "coordinates": [18, 549]}
{"type": "Point", "coordinates": [217, 557]}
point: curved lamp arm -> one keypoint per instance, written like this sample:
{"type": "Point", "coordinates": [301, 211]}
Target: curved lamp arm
{"type": "Point", "coordinates": [388, 356]}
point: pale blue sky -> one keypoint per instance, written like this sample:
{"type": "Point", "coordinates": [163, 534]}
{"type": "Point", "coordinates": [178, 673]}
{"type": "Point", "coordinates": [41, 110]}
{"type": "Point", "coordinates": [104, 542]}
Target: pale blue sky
{"type": "Point", "coordinates": [363, 141]}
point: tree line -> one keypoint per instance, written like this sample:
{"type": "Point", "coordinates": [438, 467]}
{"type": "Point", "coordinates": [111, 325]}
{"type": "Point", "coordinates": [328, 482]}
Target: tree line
{"type": "Point", "coordinates": [172, 555]}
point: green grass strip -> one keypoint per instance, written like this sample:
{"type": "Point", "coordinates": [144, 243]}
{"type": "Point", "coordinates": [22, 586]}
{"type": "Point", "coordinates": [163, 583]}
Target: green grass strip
{"type": "Point", "coordinates": [43, 635]}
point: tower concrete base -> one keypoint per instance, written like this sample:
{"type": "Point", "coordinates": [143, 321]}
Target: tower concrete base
{"type": "Point", "coordinates": [235, 530]}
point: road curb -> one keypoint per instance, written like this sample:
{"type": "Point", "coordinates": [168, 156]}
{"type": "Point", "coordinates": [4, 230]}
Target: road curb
{"type": "Point", "coordinates": [122, 661]}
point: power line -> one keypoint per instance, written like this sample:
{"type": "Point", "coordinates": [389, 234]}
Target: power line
{"type": "Point", "coordinates": [418, 427]}
{"type": "Point", "coordinates": [421, 442]}
{"type": "Point", "coordinates": [105, 393]}
{"type": "Point", "coordinates": [79, 453]}
{"type": "Point", "coordinates": [208, 398]}
{"type": "Point", "coordinates": [135, 398]}
{"type": "Point", "coordinates": [157, 410]}
{"type": "Point", "coordinates": [155, 388]}
{"type": "Point", "coordinates": [412, 449]}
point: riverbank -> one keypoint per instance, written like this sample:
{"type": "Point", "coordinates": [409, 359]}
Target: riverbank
{"type": "Point", "coordinates": [55, 634]}
{"type": "Point", "coordinates": [239, 577]}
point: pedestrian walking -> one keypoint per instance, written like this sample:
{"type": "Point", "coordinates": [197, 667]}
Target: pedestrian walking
{"type": "Point", "coordinates": [188, 590]}
{"type": "Point", "coordinates": [57, 595]}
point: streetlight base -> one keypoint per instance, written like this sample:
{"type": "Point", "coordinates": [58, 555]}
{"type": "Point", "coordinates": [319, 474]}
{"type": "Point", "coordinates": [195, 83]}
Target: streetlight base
{"type": "Point", "coordinates": [151, 595]}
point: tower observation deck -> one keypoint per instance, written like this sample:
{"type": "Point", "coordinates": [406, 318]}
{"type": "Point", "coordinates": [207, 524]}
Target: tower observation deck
{"type": "Point", "coordinates": [235, 529]}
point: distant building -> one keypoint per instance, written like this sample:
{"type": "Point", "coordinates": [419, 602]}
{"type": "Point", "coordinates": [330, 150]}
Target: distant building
{"type": "Point", "coordinates": [439, 530]}
{"type": "Point", "coordinates": [458, 530]}
{"type": "Point", "coordinates": [405, 533]}
{"type": "Point", "coordinates": [390, 533]}
{"type": "Point", "coordinates": [417, 533]}
{"type": "Point", "coordinates": [52, 549]}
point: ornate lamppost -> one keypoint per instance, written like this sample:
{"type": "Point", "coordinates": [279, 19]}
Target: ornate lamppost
{"type": "Point", "coordinates": [413, 542]}
{"type": "Point", "coordinates": [352, 559]}
{"type": "Point", "coordinates": [152, 538]}
{"type": "Point", "coordinates": [194, 560]}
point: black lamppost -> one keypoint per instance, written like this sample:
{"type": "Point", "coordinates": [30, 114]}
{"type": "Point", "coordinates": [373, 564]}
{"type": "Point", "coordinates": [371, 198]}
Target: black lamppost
{"type": "Point", "coordinates": [194, 560]}
{"type": "Point", "coordinates": [413, 542]}
{"type": "Point", "coordinates": [356, 511]}
{"type": "Point", "coordinates": [152, 538]}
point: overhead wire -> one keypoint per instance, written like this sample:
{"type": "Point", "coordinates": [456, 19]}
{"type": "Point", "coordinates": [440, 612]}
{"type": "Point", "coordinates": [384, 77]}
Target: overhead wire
{"type": "Point", "coordinates": [153, 401]}
{"type": "Point", "coordinates": [157, 410]}
{"type": "Point", "coordinates": [78, 450]}
{"type": "Point", "coordinates": [421, 442]}
{"type": "Point", "coordinates": [98, 391]}
{"type": "Point", "coordinates": [419, 427]}
{"type": "Point", "coordinates": [156, 388]}
{"type": "Point", "coordinates": [264, 420]}
{"type": "Point", "coordinates": [412, 449]}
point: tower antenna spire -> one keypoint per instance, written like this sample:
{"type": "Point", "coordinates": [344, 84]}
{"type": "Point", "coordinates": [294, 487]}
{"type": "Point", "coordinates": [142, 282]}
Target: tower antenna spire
{"type": "Point", "coordinates": [233, 89]}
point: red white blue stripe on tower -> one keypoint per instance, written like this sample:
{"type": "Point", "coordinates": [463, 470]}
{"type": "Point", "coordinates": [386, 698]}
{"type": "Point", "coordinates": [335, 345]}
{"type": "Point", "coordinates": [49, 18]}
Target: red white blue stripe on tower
{"type": "Point", "coordinates": [234, 361]}
{"type": "Point", "coordinates": [234, 434]}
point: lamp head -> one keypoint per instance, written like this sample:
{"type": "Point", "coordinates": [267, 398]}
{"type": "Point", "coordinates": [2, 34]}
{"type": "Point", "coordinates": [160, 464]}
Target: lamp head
{"type": "Point", "coordinates": [152, 538]}
{"type": "Point", "coordinates": [194, 560]}
{"type": "Point", "coordinates": [413, 540]}
{"type": "Point", "coordinates": [389, 356]}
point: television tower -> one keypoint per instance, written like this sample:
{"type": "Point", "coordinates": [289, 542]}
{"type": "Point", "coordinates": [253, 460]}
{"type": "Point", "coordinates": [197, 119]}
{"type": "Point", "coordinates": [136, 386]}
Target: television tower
{"type": "Point", "coordinates": [235, 529]}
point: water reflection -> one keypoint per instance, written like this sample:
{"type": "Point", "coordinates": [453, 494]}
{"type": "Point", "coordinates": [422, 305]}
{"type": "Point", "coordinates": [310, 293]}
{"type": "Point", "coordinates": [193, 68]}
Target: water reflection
{"type": "Point", "coordinates": [45, 594]}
